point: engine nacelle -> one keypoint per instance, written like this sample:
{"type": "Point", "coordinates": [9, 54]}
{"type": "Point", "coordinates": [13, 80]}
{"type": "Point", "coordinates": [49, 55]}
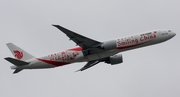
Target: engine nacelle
{"type": "Point", "coordinates": [109, 45]}
{"type": "Point", "coordinates": [115, 59]}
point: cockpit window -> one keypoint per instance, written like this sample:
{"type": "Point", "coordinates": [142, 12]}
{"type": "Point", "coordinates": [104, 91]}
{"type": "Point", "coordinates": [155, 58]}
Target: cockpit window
{"type": "Point", "coordinates": [165, 33]}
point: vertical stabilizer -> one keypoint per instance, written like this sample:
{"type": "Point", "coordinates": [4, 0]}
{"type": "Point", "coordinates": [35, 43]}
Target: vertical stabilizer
{"type": "Point", "coordinates": [18, 52]}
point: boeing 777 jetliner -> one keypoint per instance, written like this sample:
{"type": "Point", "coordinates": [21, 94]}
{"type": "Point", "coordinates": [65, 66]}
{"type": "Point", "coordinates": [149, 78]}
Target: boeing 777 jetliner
{"type": "Point", "coordinates": [89, 50]}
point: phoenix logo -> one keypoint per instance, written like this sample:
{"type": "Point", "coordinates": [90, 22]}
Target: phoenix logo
{"type": "Point", "coordinates": [18, 54]}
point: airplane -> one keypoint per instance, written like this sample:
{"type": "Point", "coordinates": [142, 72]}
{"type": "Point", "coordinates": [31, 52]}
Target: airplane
{"type": "Point", "coordinates": [88, 50]}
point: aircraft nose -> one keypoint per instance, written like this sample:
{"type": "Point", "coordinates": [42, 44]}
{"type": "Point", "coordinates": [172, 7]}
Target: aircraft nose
{"type": "Point", "coordinates": [172, 34]}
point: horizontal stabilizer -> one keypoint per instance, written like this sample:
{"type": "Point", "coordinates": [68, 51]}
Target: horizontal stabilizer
{"type": "Point", "coordinates": [16, 61]}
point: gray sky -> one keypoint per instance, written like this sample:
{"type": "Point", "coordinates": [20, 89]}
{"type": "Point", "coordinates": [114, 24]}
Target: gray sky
{"type": "Point", "coordinates": [152, 71]}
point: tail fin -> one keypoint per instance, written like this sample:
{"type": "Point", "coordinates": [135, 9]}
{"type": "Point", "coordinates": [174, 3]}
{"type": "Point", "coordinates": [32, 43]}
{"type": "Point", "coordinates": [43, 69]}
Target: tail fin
{"type": "Point", "coordinates": [18, 52]}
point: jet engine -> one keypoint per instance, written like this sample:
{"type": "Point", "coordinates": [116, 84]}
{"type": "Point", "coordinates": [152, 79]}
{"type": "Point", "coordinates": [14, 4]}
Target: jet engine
{"type": "Point", "coordinates": [109, 45]}
{"type": "Point", "coordinates": [115, 59]}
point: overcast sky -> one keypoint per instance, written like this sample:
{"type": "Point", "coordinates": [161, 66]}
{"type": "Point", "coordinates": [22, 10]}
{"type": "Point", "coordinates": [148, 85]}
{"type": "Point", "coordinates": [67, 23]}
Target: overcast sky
{"type": "Point", "coordinates": [152, 71]}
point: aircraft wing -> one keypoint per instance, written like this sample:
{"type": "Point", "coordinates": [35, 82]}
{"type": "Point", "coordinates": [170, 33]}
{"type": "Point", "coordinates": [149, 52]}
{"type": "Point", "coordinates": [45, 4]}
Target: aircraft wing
{"type": "Point", "coordinates": [88, 45]}
{"type": "Point", "coordinates": [79, 39]}
{"type": "Point", "coordinates": [89, 64]}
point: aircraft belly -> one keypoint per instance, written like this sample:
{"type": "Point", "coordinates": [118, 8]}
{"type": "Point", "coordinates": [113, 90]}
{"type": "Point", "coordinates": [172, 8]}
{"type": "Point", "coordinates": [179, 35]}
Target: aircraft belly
{"type": "Point", "coordinates": [101, 55]}
{"type": "Point", "coordinates": [107, 53]}
{"type": "Point", "coordinates": [92, 57]}
{"type": "Point", "coordinates": [41, 65]}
